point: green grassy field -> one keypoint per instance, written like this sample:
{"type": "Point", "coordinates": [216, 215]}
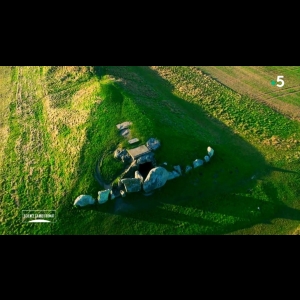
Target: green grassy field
{"type": "Point", "coordinates": [255, 81]}
{"type": "Point", "coordinates": [57, 122]}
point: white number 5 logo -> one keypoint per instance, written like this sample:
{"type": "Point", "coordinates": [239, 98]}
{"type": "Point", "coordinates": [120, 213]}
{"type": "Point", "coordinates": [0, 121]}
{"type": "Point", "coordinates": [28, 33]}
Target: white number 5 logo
{"type": "Point", "coordinates": [280, 80]}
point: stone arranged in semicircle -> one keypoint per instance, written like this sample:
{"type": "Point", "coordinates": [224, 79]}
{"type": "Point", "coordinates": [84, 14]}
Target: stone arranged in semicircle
{"type": "Point", "coordinates": [210, 151]}
{"type": "Point", "coordinates": [131, 184]}
{"type": "Point", "coordinates": [155, 179]}
{"type": "Point", "coordinates": [103, 196]}
{"type": "Point", "coordinates": [206, 158]}
{"type": "Point", "coordinates": [84, 200]}
{"type": "Point", "coordinates": [173, 174]}
{"type": "Point", "coordinates": [177, 169]}
{"type": "Point", "coordinates": [188, 168]}
{"type": "Point", "coordinates": [197, 163]}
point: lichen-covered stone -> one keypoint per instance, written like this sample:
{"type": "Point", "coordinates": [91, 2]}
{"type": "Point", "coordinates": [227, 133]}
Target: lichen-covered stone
{"type": "Point", "coordinates": [155, 179]}
{"type": "Point", "coordinates": [153, 144]}
{"type": "Point", "coordinates": [103, 196]}
{"type": "Point", "coordinates": [84, 200]}
{"type": "Point", "coordinates": [210, 151]}
{"type": "Point", "coordinates": [122, 155]}
{"type": "Point", "coordinates": [173, 174]}
{"type": "Point", "coordinates": [188, 168]}
{"type": "Point", "coordinates": [197, 163]}
{"type": "Point", "coordinates": [132, 185]}
{"type": "Point", "coordinates": [206, 158]}
{"type": "Point", "coordinates": [177, 169]}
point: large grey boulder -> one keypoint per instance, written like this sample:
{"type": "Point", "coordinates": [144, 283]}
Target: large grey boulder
{"type": "Point", "coordinates": [155, 179]}
{"type": "Point", "coordinates": [153, 144]}
{"type": "Point", "coordinates": [103, 196]}
{"type": "Point", "coordinates": [210, 151]}
{"type": "Point", "coordinates": [132, 185]}
{"type": "Point", "coordinates": [197, 163]}
{"type": "Point", "coordinates": [84, 200]}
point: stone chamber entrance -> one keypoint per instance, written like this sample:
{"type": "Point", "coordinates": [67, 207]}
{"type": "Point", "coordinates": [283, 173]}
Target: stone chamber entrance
{"type": "Point", "coordinates": [145, 168]}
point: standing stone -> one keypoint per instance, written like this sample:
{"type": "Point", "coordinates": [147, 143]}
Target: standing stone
{"type": "Point", "coordinates": [103, 196]}
{"type": "Point", "coordinates": [173, 175]}
{"type": "Point", "coordinates": [84, 200]}
{"type": "Point", "coordinates": [155, 179]}
{"type": "Point", "coordinates": [177, 169]}
{"type": "Point", "coordinates": [188, 168]}
{"type": "Point", "coordinates": [210, 151]}
{"type": "Point", "coordinates": [131, 184]}
{"type": "Point", "coordinates": [206, 158]}
{"type": "Point", "coordinates": [197, 163]}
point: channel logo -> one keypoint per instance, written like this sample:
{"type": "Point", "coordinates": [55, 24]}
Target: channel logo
{"type": "Point", "coordinates": [38, 216]}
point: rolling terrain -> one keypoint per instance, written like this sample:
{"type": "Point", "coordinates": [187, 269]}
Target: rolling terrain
{"type": "Point", "coordinates": [57, 123]}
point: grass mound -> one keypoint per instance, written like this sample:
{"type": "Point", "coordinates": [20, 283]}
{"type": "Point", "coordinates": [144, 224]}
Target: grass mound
{"type": "Point", "coordinates": [62, 122]}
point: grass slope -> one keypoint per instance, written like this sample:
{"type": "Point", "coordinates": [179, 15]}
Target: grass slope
{"type": "Point", "coordinates": [61, 120]}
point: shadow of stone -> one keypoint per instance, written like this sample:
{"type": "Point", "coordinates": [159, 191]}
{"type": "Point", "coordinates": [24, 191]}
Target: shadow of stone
{"type": "Point", "coordinates": [281, 170]}
{"type": "Point", "coordinates": [150, 209]}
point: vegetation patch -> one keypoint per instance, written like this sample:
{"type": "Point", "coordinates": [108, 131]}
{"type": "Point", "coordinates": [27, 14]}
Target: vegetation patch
{"type": "Point", "coordinates": [59, 123]}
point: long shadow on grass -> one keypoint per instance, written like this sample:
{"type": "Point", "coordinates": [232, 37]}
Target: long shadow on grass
{"type": "Point", "coordinates": [281, 210]}
{"type": "Point", "coordinates": [282, 170]}
{"type": "Point", "coordinates": [101, 128]}
{"type": "Point", "coordinates": [242, 207]}
{"type": "Point", "coordinates": [221, 212]}
{"type": "Point", "coordinates": [220, 190]}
